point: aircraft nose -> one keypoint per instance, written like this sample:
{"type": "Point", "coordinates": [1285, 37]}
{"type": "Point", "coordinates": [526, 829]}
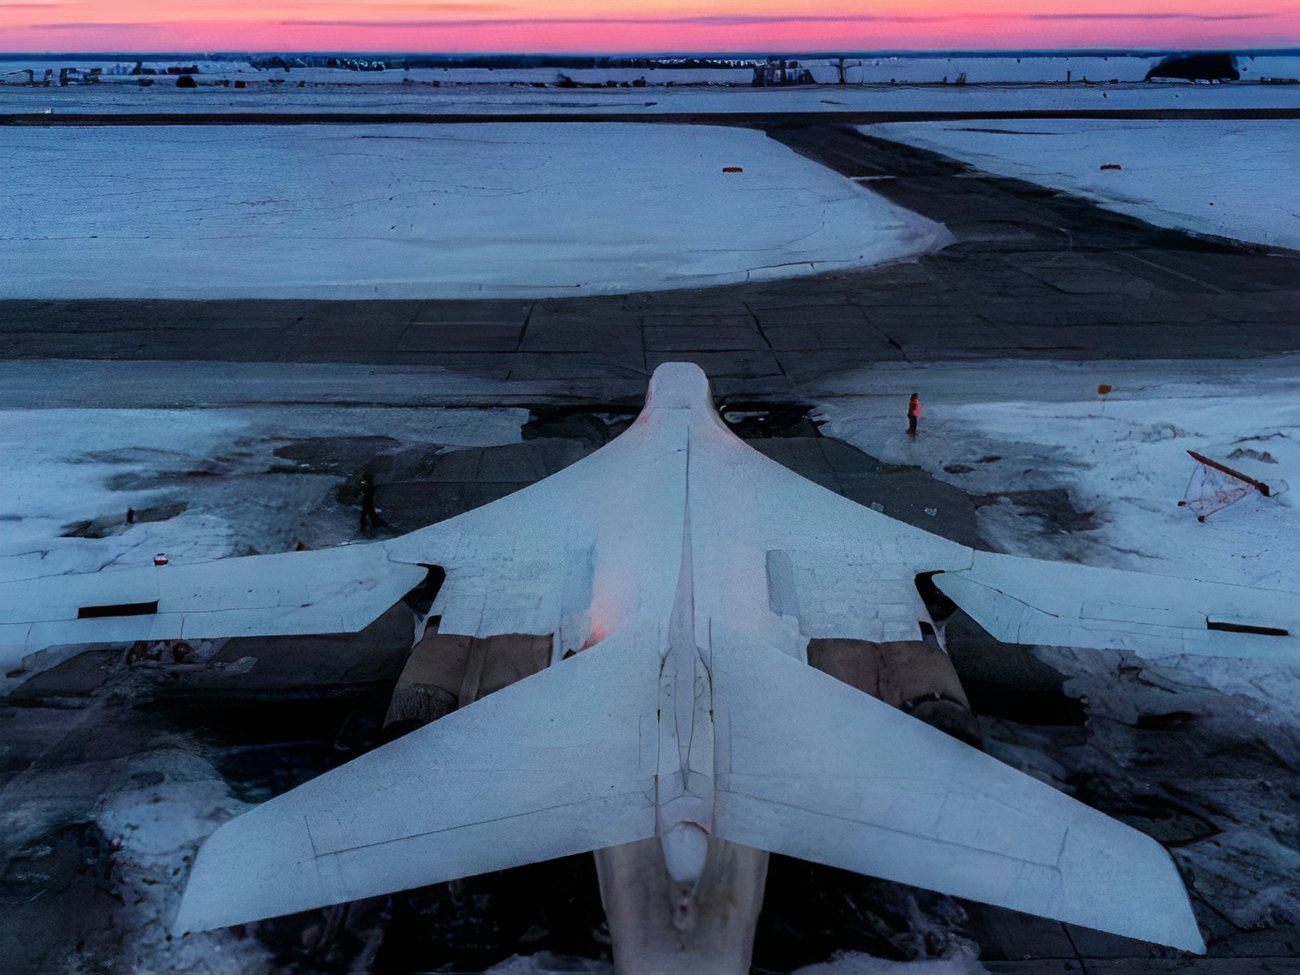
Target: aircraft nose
{"type": "Point", "coordinates": [679, 386]}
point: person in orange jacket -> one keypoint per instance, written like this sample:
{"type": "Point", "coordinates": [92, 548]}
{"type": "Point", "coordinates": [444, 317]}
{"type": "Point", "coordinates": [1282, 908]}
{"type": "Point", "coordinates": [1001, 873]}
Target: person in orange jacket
{"type": "Point", "coordinates": [913, 411]}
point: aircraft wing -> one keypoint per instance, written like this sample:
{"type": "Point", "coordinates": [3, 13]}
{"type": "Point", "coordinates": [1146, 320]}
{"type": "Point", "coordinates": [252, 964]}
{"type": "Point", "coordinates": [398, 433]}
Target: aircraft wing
{"type": "Point", "coordinates": [523, 564]}
{"type": "Point", "coordinates": [331, 591]}
{"type": "Point", "coordinates": [811, 768]}
{"type": "Point", "coordinates": [795, 560]}
{"type": "Point", "coordinates": [1021, 600]}
{"type": "Point", "coordinates": [559, 763]}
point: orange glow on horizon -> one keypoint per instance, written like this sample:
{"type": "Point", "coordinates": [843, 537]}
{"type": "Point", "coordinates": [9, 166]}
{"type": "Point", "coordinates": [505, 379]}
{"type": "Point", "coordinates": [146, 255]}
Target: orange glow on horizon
{"type": "Point", "coordinates": [634, 26]}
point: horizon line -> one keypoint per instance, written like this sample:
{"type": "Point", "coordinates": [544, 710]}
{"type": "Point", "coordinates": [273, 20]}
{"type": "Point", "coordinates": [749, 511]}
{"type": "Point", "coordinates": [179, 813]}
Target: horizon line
{"type": "Point", "coordinates": [755, 53]}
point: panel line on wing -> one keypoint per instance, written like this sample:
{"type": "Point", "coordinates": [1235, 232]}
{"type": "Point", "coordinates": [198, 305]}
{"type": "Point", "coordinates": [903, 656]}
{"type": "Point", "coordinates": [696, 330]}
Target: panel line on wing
{"type": "Point", "coordinates": [333, 849]}
{"type": "Point", "coordinates": [927, 837]}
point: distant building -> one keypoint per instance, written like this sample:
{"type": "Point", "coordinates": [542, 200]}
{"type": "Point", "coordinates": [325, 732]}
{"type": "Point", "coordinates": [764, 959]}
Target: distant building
{"type": "Point", "coordinates": [779, 71]}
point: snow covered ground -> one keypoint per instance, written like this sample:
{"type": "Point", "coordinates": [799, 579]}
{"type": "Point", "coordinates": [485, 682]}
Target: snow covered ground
{"type": "Point", "coordinates": [458, 211]}
{"type": "Point", "coordinates": [178, 799]}
{"type": "Point", "coordinates": [66, 466]}
{"type": "Point", "coordinates": [1122, 455]}
{"type": "Point", "coordinates": [352, 95]}
{"type": "Point", "coordinates": [997, 427]}
{"type": "Point", "coordinates": [1232, 179]}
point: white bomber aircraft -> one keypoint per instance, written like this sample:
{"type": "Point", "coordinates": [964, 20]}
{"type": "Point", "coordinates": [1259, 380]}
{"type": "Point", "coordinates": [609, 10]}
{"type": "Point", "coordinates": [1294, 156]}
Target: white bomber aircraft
{"type": "Point", "coordinates": [679, 730]}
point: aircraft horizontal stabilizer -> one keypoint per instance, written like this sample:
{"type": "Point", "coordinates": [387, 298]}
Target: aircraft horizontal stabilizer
{"type": "Point", "coordinates": [1021, 600]}
{"type": "Point", "coordinates": [811, 768]}
{"type": "Point", "coordinates": [560, 763]}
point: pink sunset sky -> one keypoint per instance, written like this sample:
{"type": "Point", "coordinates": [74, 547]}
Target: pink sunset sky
{"type": "Point", "coordinates": [628, 26]}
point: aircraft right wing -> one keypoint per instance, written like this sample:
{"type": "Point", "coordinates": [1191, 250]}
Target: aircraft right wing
{"type": "Point", "coordinates": [1021, 600]}
{"type": "Point", "coordinates": [811, 768]}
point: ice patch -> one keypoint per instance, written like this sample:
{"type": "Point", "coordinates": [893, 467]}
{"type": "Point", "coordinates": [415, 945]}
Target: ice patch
{"type": "Point", "coordinates": [154, 831]}
{"type": "Point", "coordinates": [68, 465]}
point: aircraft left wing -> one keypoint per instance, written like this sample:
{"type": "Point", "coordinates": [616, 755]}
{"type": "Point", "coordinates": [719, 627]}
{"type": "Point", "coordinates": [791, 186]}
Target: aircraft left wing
{"type": "Point", "coordinates": [331, 591]}
{"type": "Point", "coordinates": [562, 762]}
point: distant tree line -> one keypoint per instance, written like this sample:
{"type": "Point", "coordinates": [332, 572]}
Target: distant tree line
{"type": "Point", "coordinates": [491, 61]}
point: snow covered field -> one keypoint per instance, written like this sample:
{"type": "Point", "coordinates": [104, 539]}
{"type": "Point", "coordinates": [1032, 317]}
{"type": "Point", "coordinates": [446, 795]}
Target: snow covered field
{"type": "Point", "coordinates": [1230, 179]}
{"type": "Point", "coordinates": [460, 211]}
{"type": "Point", "coordinates": [66, 466]}
{"type": "Point", "coordinates": [921, 69]}
{"type": "Point", "coordinates": [352, 95]}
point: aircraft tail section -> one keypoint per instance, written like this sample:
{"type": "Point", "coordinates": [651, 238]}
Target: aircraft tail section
{"type": "Point", "coordinates": [812, 768]}
{"type": "Point", "coordinates": [560, 763]}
